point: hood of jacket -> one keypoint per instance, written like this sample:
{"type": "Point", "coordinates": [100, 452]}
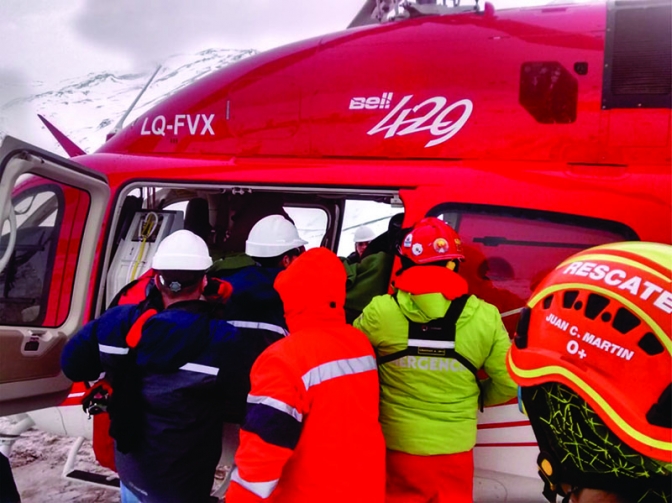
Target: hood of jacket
{"type": "Point", "coordinates": [312, 290]}
{"type": "Point", "coordinates": [425, 292]}
{"type": "Point", "coordinates": [174, 336]}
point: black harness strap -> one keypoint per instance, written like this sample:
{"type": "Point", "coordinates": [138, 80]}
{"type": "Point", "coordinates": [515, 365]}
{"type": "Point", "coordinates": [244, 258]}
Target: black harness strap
{"type": "Point", "coordinates": [439, 330]}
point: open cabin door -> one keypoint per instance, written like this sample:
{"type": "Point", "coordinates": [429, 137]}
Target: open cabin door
{"type": "Point", "coordinates": [51, 214]}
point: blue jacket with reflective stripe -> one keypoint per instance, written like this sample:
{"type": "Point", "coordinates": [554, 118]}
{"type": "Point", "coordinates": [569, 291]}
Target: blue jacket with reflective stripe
{"type": "Point", "coordinates": [194, 365]}
{"type": "Point", "coordinates": [255, 308]}
{"type": "Point", "coordinates": [313, 407]}
{"type": "Point", "coordinates": [253, 297]}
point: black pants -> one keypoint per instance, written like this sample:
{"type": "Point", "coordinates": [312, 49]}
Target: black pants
{"type": "Point", "coordinates": [8, 492]}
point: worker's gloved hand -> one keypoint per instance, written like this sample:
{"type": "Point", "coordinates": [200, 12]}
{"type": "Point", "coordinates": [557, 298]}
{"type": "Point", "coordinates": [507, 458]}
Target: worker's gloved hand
{"type": "Point", "coordinates": [217, 290]}
{"type": "Point", "coordinates": [97, 398]}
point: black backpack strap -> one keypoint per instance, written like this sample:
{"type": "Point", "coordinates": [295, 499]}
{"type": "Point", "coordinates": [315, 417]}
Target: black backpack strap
{"type": "Point", "coordinates": [439, 338]}
{"type": "Point", "coordinates": [398, 354]}
{"type": "Point", "coordinates": [470, 366]}
{"type": "Point", "coordinates": [393, 356]}
{"type": "Point", "coordinates": [394, 296]}
{"type": "Point", "coordinates": [438, 333]}
{"type": "Point", "coordinates": [439, 330]}
{"type": "Point", "coordinates": [454, 312]}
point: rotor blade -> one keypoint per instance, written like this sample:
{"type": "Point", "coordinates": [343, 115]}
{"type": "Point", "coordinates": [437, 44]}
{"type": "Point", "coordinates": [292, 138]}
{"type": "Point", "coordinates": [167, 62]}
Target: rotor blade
{"type": "Point", "coordinates": [68, 145]}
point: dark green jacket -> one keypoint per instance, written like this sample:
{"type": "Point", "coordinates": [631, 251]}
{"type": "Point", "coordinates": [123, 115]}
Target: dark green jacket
{"type": "Point", "coordinates": [366, 279]}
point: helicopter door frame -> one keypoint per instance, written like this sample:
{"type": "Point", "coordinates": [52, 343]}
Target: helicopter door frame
{"type": "Point", "coordinates": [26, 350]}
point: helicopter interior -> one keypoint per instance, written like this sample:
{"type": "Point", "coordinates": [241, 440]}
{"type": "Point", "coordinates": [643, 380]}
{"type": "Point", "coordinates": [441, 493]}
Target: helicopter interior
{"type": "Point", "coordinates": [224, 216]}
{"type": "Point", "coordinates": [508, 250]}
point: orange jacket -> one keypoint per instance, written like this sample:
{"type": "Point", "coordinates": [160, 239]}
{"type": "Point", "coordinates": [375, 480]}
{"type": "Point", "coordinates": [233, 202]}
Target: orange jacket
{"type": "Point", "coordinates": [311, 432]}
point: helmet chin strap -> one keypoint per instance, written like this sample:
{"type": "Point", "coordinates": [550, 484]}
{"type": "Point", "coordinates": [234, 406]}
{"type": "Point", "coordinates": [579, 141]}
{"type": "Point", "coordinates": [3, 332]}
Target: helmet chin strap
{"type": "Point", "coordinates": [550, 471]}
{"type": "Point", "coordinates": [569, 493]}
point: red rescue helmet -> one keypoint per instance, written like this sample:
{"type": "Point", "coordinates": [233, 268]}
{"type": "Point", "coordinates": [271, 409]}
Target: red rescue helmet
{"type": "Point", "coordinates": [431, 240]}
{"type": "Point", "coordinates": [600, 325]}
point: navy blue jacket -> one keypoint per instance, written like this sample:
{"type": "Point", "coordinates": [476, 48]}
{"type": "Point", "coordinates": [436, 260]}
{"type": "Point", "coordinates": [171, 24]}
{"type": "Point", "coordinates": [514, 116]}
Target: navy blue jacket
{"type": "Point", "coordinates": [254, 298]}
{"type": "Point", "coordinates": [255, 308]}
{"type": "Point", "coordinates": [193, 366]}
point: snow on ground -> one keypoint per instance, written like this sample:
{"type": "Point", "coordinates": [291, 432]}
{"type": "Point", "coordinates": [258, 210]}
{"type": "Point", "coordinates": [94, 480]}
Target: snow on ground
{"type": "Point", "coordinates": [37, 460]}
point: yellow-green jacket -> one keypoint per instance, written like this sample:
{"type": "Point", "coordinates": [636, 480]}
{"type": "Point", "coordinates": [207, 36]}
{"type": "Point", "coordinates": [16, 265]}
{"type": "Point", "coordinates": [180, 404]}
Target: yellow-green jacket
{"type": "Point", "coordinates": [429, 405]}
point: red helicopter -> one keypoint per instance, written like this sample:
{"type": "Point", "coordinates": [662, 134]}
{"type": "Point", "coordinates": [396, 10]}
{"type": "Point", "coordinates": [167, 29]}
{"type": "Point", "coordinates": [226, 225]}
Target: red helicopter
{"type": "Point", "coordinates": [534, 132]}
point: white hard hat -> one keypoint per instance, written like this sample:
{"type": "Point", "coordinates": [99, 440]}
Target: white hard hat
{"type": "Point", "coordinates": [271, 236]}
{"type": "Point", "coordinates": [364, 234]}
{"type": "Point", "coordinates": [182, 251]}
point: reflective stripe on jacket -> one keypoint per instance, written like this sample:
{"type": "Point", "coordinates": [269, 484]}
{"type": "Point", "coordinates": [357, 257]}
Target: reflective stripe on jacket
{"type": "Point", "coordinates": [192, 364]}
{"type": "Point", "coordinates": [311, 432]}
{"type": "Point", "coordinates": [429, 405]}
{"type": "Point", "coordinates": [255, 309]}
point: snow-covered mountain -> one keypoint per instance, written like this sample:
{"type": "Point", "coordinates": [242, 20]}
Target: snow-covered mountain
{"type": "Point", "coordinates": [86, 108]}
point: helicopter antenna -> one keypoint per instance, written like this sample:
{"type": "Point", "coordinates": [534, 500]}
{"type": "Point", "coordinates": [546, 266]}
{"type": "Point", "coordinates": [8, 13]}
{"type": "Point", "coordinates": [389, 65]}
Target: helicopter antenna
{"type": "Point", "coordinates": [363, 17]}
{"type": "Point", "coordinates": [120, 124]}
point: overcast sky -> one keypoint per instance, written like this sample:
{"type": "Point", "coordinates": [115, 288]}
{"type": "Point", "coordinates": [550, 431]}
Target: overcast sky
{"type": "Point", "coordinates": [49, 40]}
{"type": "Point", "coordinates": [43, 42]}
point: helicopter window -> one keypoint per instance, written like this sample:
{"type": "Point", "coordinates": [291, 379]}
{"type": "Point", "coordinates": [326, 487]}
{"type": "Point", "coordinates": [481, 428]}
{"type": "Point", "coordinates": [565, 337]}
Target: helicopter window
{"type": "Point", "coordinates": [310, 222]}
{"type": "Point", "coordinates": [509, 251]}
{"type": "Point", "coordinates": [179, 206]}
{"type": "Point", "coordinates": [229, 213]}
{"type": "Point", "coordinates": [373, 214]}
{"type": "Point", "coordinates": [24, 283]}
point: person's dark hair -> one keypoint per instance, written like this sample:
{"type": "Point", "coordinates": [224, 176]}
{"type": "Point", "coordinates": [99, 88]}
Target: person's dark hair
{"type": "Point", "coordinates": [253, 207]}
{"type": "Point", "coordinates": [196, 218]}
{"type": "Point", "coordinates": [178, 283]}
{"type": "Point", "coordinates": [277, 260]}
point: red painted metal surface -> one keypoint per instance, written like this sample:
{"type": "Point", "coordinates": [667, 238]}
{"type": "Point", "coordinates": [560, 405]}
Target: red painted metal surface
{"type": "Point", "coordinates": [67, 252]}
{"type": "Point", "coordinates": [629, 194]}
{"type": "Point", "coordinates": [429, 107]}
{"type": "Point", "coordinates": [439, 87]}
{"type": "Point", "coordinates": [73, 206]}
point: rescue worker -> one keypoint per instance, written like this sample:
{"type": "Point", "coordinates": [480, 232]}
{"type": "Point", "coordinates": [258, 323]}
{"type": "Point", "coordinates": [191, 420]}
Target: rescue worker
{"type": "Point", "coordinates": [371, 275]}
{"type": "Point", "coordinates": [255, 307]}
{"type": "Point", "coordinates": [245, 211]}
{"type": "Point", "coordinates": [363, 236]}
{"type": "Point", "coordinates": [592, 356]}
{"type": "Point", "coordinates": [431, 338]}
{"type": "Point", "coordinates": [311, 432]}
{"type": "Point", "coordinates": [170, 372]}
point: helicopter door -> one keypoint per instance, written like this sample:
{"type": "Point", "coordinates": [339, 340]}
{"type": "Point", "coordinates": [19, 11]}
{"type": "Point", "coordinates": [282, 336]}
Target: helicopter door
{"type": "Point", "coordinates": [51, 214]}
